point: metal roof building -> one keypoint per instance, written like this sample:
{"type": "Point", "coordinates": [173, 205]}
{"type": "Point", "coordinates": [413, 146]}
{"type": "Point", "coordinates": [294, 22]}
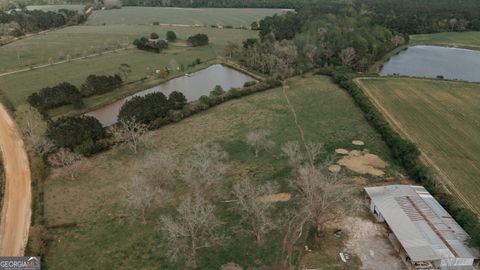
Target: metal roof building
{"type": "Point", "coordinates": [423, 231]}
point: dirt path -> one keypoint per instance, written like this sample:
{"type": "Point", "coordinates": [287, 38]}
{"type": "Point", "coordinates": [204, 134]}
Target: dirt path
{"type": "Point", "coordinates": [16, 211]}
{"type": "Point", "coordinates": [295, 118]}
{"type": "Point", "coordinates": [62, 62]}
{"type": "Point", "coordinates": [445, 180]}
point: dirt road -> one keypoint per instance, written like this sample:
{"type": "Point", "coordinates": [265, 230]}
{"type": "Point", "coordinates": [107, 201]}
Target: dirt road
{"type": "Point", "coordinates": [16, 211]}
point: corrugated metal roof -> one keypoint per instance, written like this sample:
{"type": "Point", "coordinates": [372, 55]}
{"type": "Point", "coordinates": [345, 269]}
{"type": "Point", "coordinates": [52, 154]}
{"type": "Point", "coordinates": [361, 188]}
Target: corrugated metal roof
{"type": "Point", "coordinates": [424, 228]}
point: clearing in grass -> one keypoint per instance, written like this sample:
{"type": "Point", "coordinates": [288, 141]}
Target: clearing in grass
{"type": "Point", "coordinates": [94, 201]}
{"type": "Point", "coordinates": [441, 117]}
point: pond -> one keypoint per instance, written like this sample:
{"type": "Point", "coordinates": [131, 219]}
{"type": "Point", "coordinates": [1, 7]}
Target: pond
{"type": "Point", "coordinates": [433, 61]}
{"type": "Point", "coordinates": [193, 86]}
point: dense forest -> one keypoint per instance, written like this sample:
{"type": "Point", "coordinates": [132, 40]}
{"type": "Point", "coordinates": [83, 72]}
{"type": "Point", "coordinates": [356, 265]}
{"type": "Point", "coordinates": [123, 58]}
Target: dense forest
{"type": "Point", "coordinates": [296, 42]}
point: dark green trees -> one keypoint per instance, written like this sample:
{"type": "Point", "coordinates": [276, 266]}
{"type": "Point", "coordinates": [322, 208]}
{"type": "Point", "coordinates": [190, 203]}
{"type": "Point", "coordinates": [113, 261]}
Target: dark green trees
{"type": "Point", "coordinates": [198, 40]}
{"type": "Point", "coordinates": [80, 133]}
{"type": "Point", "coordinates": [152, 106]}
{"type": "Point", "coordinates": [150, 45]}
{"type": "Point", "coordinates": [51, 97]}
{"type": "Point", "coordinates": [96, 85]}
{"type": "Point", "coordinates": [176, 100]}
{"type": "Point", "coordinates": [171, 36]}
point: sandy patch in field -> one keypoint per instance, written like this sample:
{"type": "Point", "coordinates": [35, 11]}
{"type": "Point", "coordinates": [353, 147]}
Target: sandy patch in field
{"type": "Point", "coordinates": [358, 142]}
{"type": "Point", "coordinates": [363, 163]}
{"type": "Point", "coordinates": [279, 197]}
{"type": "Point", "coordinates": [358, 180]}
{"type": "Point", "coordinates": [334, 168]}
{"type": "Point", "coordinates": [341, 151]}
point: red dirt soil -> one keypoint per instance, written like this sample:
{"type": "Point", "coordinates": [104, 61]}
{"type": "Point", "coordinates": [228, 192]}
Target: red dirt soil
{"type": "Point", "coordinates": [16, 210]}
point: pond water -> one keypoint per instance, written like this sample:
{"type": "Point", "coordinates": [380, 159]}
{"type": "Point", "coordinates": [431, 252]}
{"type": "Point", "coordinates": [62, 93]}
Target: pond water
{"type": "Point", "coordinates": [432, 61]}
{"type": "Point", "coordinates": [192, 86]}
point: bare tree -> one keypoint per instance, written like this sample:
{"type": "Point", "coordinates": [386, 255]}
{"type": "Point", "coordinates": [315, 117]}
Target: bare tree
{"type": "Point", "coordinates": [231, 49]}
{"type": "Point", "coordinates": [256, 213]}
{"type": "Point", "coordinates": [160, 168]}
{"type": "Point", "coordinates": [259, 140]}
{"type": "Point", "coordinates": [34, 129]}
{"type": "Point", "coordinates": [125, 69]}
{"type": "Point", "coordinates": [71, 162]}
{"type": "Point", "coordinates": [194, 227]}
{"type": "Point", "coordinates": [314, 150]}
{"type": "Point", "coordinates": [321, 199]}
{"type": "Point", "coordinates": [295, 156]}
{"type": "Point", "coordinates": [347, 56]}
{"type": "Point", "coordinates": [140, 196]}
{"type": "Point", "coordinates": [397, 40]}
{"type": "Point", "coordinates": [130, 132]}
{"type": "Point", "coordinates": [205, 166]}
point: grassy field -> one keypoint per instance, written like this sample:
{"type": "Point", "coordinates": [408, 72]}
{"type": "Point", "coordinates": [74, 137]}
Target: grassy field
{"type": "Point", "coordinates": [85, 40]}
{"type": "Point", "coordinates": [235, 17]}
{"type": "Point", "coordinates": [441, 117]}
{"type": "Point", "coordinates": [325, 113]}
{"type": "Point", "coordinates": [469, 40]}
{"type": "Point", "coordinates": [17, 87]}
{"type": "Point", "coordinates": [190, 16]}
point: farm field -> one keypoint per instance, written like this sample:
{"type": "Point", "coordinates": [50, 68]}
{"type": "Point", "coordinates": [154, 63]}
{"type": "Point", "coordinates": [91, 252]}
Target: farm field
{"type": "Point", "coordinates": [93, 201]}
{"type": "Point", "coordinates": [72, 40]}
{"type": "Point", "coordinates": [77, 41]}
{"type": "Point", "coordinates": [469, 40]}
{"type": "Point", "coordinates": [235, 17]}
{"type": "Point", "coordinates": [441, 117]}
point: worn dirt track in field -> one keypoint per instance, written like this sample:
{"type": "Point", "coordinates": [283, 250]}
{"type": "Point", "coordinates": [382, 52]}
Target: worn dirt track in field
{"type": "Point", "coordinates": [16, 211]}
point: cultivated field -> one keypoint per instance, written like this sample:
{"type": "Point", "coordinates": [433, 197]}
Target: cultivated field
{"type": "Point", "coordinates": [235, 17]}
{"type": "Point", "coordinates": [441, 117]}
{"type": "Point", "coordinates": [79, 41]}
{"type": "Point", "coordinates": [105, 239]}
{"type": "Point", "coordinates": [469, 40]}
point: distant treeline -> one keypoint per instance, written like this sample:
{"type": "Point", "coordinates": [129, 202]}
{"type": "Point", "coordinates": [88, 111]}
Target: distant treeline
{"type": "Point", "coordinates": [19, 22]}
{"type": "Point", "coordinates": [425, 16]}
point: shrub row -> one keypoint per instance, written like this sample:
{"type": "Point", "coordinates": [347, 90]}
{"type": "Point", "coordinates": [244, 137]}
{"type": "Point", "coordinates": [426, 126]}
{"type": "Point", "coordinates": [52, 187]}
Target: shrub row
{"type": "Point", "coordinates": [147, 108]}
{"type": "Point", "coordinates": [58, 95]}
{"type": "Point", "coordinates": [407, 155]}
{"type": "Point", "coordinates": [66, 93]}
{"type": "Point", "coordinates": [206, 102]}
{"type": "Point", "coordinates": [96, 85]}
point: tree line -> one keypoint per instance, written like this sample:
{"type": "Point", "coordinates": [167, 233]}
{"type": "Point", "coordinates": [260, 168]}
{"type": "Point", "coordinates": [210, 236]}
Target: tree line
{"type": "Point", "coordinates": [66, 93]}
{"type": "Point", "coordinates": [18, 22]}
